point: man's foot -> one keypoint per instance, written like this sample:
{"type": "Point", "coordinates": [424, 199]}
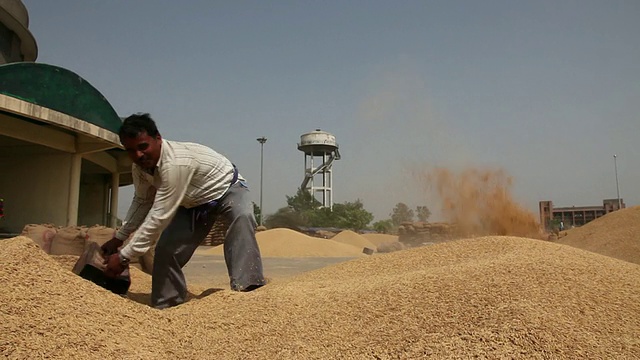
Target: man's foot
{"type": "Point", "coordinates": [251, 288]}
{"type": "Point", "coordinates": [166, 304]}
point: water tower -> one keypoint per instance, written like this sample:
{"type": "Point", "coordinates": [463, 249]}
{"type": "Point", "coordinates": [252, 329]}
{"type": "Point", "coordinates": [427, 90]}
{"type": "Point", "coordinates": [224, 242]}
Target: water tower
{"type": "Point", "coordinates": [320, 150]}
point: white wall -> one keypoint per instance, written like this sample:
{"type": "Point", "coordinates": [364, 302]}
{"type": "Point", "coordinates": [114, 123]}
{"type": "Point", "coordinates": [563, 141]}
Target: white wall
{"type": "Point", "coordinates": [35, 188]}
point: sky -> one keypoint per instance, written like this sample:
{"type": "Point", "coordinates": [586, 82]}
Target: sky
{"type": "Point", "coordinates": [546, 91]}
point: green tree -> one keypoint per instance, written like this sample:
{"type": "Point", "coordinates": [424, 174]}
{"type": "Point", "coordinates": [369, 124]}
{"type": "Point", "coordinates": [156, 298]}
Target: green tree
{"type": "Point", "coordinates": [303, 201]}
{"type": "Point", "coordinates": [322, 217]}
{"type": "Point", "coordinates": [351, 215]}
{"type": "Point", "coordinates": [305, 210]}
{"type": "Point", "coordinates": [423, 213]}
{"type": "Point", "coordinates": [383, 226]}
{"type": "Point", "coordinates": [401, 213]}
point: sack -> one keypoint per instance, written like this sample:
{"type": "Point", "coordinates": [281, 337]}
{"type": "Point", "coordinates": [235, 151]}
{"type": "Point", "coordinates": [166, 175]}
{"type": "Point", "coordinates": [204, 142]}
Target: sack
{"type": "Point", "coordinates": [69, 241]}
{"type": "Point", "coordinates": [99, 234]}
{"type": "Point", "coordinates": [42, 235]}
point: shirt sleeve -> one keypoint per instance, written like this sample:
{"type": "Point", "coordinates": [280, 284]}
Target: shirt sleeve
{"type": "Point", "coordinates": [140, 205]}
{"type": "Point", "coordinates": [168, 197]}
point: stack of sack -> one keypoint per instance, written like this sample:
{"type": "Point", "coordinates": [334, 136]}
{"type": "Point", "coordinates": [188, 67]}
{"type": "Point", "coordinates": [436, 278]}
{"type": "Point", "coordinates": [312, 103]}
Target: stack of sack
{"type": "Point", "coordinates": [42, 235]}
{"type": "Point", "coordinates": [74, 240]}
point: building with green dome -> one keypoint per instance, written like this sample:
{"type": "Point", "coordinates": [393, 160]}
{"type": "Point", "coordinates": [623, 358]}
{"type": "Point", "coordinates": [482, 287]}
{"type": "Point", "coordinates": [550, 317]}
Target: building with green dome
{"type": "Point", "coordinates": [60, 157]}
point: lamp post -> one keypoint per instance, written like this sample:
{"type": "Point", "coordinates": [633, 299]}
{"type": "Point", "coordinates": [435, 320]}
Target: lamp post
{"type": "Point", "coordinates": [615, 164]}
{"type": "Point", "coordinates": [261, 140]}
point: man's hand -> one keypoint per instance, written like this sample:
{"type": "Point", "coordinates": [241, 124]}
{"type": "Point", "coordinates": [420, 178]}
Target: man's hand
{"type": "Point", "coordinates": [115, 267]}
{"type": "Point", "coordinates": [111, 247]}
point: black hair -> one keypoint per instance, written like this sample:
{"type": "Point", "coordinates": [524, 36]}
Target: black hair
{"type": "Point", "coordinates": [137, 123]}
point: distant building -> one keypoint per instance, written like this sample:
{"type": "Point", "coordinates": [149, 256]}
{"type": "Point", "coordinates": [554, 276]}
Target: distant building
{"type": "Point", "coordinates": [575, 215]}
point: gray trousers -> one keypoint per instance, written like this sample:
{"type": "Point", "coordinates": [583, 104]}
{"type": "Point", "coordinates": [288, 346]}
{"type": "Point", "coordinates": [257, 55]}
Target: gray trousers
{"type": "Point", "coordinates": [186, 232]}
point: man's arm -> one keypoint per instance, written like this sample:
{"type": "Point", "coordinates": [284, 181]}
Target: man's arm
{"type": "Point", "coordinates": [168, 197]}
{"type": "Point", "coordinates": [140, 205]}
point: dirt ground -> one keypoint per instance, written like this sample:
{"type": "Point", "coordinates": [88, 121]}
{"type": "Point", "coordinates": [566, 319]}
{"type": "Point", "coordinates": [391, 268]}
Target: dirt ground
{"type": "Point", "coordinates": [210, 271]}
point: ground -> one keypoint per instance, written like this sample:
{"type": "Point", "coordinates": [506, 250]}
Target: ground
{"type": "Point", "coordinates": [210, 271]}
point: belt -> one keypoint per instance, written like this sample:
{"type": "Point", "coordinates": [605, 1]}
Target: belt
{"type": "Point", "coordinates": [203, 210]}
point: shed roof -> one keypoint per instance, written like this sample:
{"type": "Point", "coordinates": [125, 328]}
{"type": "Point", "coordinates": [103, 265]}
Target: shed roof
{"type": "Point", "coordinates": [58, 89]}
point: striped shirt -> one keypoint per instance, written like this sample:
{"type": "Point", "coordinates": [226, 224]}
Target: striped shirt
{"type": "Point", "coordinates": [188, 175]}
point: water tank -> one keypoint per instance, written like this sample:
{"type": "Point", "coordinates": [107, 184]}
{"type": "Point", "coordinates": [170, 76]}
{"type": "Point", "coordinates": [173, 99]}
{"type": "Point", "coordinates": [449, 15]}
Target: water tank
{"type": "Point", "coordinates": [317, 142]}
{"type": "Point", "coordinates": [320, 151]}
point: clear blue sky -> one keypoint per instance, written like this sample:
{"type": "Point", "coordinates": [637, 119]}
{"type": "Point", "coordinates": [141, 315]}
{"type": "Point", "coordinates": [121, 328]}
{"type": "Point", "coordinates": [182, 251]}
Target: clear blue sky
{"type": "Point", "coordinates": [546, 90]}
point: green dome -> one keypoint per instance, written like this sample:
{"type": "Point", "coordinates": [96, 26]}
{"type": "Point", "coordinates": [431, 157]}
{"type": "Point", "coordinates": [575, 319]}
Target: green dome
{"type": "Point", "coordinates": [58, 89]}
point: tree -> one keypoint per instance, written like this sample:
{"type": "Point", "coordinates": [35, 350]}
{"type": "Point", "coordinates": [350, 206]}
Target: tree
{"type": "Point", "coordinates": [401, 213]}
{"type": "Point", "coordinates": [383, 226]}
{"type": "Point", "coordinates": [305, 210]}
{"type": "Point", "coordinates": [322, 217]}
{"type": "Point", "coordinates": [351, 215]}
{"type": "Point", "coordinates": [303, 201]}
{"type": "Point", "coordinates": [423, 213]}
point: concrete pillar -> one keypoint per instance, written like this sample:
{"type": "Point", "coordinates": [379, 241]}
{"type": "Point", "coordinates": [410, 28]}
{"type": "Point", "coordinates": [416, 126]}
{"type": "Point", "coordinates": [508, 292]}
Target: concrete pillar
{"type": "Point", "coordinates": [115, 185]}
{"type": "Point", "coordinates": [74, 190]}
{"type": "Point", "coordinates": [106, 201]}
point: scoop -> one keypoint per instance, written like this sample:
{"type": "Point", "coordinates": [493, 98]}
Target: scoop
{"type": "Point", "coordinates": [90, 266]}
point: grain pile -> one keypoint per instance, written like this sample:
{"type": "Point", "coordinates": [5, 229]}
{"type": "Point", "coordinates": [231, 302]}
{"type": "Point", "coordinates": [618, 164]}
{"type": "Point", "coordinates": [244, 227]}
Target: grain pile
{"type": "Point", "coordinates": [289, 243]}
{"type": "Point", "coordinates": [379, 239]}
{"type": "Point", "coordinates": [140, 289]}
{"type": "Point", "coordinates": [48, 311]}
{"type": "Point", "coordinates": [616, 234]}
{"type": "Point", "coordinates": [489, 297]}
{"type": "Point", "coordinates": [353, 238]}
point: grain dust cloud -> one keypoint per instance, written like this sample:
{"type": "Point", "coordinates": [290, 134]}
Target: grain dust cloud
{"type": "Point", "coordinates": [479, 202]}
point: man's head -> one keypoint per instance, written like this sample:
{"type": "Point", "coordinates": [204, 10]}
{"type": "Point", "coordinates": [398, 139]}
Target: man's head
{"type": "Point", "coordinates": [140, 137]}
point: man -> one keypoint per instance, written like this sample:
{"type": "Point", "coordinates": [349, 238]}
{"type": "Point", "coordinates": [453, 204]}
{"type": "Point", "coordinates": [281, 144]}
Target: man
{"type": "Point", "coordinates": [180, 190]}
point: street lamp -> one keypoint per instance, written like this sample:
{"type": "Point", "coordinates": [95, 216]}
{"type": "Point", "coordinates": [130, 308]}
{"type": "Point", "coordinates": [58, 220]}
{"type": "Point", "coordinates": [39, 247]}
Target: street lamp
{"type": "Point", "coordinates": [615, 164]}
{"type": "Point", "coordinates": [261, 140]}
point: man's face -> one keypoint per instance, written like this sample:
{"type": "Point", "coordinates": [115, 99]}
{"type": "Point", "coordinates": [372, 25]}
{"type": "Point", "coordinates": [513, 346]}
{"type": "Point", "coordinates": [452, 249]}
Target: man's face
{"type": "Point", "coordinates": [144, 150]}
